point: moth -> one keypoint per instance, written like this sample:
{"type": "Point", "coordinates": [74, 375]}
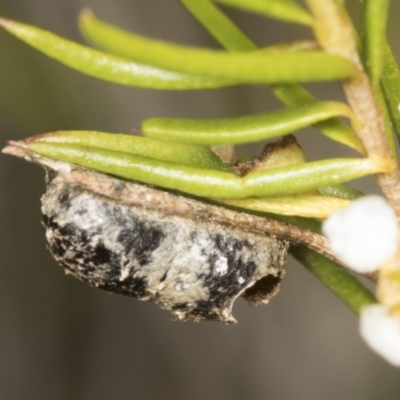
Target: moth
{"type": "Point", "coordinates": [188, 256]}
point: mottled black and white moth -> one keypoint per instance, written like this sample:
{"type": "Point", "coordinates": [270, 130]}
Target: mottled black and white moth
{"type": "Point", "coordinates": [189, 257]}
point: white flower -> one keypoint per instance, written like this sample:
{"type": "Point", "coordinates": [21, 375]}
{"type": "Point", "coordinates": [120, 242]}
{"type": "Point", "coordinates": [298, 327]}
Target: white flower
{"type": "Point", "coordinates": [364, 235]}
{"type": "Point", "coordinates": [381, 331]}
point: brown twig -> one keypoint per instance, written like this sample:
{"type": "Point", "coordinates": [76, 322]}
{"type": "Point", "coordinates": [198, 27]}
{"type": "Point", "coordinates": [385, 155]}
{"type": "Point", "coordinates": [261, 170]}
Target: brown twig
{"type": "Point", "coordinates": [252, 223]}
{"type": "Point", "coordinates": [336, 35]}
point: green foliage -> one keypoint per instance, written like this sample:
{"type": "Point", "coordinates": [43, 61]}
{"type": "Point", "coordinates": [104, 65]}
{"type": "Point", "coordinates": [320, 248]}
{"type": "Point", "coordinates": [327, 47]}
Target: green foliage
{"type": "Point", "coordinates": [106, 66]}
{"type": "Point", "coordinates": [285, 10]}
{"type": "Point", "coordinates": [178, 158]}
{"type": "Point", "coordinates": [193, 156]}
{"type": "Point", "coordinates": [391, 87]}
{"type": "Point", "coordinates": [210, 183]}
{"type": "Point", "coordinates": [345, 286]}
{"type": "Point", "coordinates": [219, 25]}
{"type": "Point", "coordinates": [246, 129]}
{"type": "Point", "coordinates": [375, 21]}
{"type": "Point", "coordinates": [255, 67]}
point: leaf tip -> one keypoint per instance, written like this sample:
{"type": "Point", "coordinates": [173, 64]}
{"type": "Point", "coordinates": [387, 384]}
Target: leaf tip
{"type": "Point", "coordinates": [86, 14]}
{"type": "Point", "coordinates": [15, 148]}
{"type": "Point", "coordinates": [6, 23]}
{"type": "Point", "coordinates": [19, 148]}
{"type": "Point", "coordinates": [26, 150]}
{"type": "Point", "coordinates": [15, 28]}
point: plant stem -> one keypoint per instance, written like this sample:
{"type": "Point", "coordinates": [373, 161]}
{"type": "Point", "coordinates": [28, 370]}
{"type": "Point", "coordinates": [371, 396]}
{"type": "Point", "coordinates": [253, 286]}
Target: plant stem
{"type": "Point", "coordinates": [336, 35]}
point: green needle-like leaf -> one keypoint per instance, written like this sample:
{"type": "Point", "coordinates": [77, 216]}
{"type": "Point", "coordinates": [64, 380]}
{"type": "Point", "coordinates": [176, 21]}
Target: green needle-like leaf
{"type": "Point", "coordinates": [309, 176]}
{"type": "Point", "coordinates": [375, 21]}
{"type": "Point", "coordinates": [105, 66]}
{"type": "Point", "coordinates": [195, 156]}
{"type": "Point", "coordinates": [291, 95]}
{"type": "Point", "coordinates": [247, 129]}
{"type": "Point", "coordinates": [334, 277]}
{"type": "Point", "coordinates": [341, 192]}
{"type": "Point", "coordinates": [391, 87]}
{"type": "Point", "coordinates": [219, 25]}
{"type": "Point", "coordinates": [286, 10]}
{"type": "Point", "coordinates": [383, 108]}
{"type": "Point", "coordinates": [207, 182]}
{"type": "Point", "coordinates": [303, 205]}
{"type": "Point", "coordinates": [334, 128]}
{"type": "Point", "coordinates": [256, 67]}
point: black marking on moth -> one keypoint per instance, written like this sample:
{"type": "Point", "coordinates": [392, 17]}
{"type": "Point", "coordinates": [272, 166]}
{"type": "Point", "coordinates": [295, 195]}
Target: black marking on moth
{"type": "Point", "coordinates": [191, 258]}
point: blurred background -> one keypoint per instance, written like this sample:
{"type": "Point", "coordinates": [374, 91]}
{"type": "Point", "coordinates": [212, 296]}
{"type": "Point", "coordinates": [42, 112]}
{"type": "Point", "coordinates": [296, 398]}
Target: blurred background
{"type": "Point", "coordinates": [61, 339]}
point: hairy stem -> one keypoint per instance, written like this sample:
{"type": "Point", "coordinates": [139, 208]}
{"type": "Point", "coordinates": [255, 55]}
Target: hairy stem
{"type": "Point", "coordinates": [336, 35]}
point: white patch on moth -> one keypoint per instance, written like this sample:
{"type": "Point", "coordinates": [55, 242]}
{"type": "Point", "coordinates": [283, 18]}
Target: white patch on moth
{"type": "Point", "coordinates": [148, 198]}
{"type": "Point", "coordinates": [124, 274]}
{"type": "Point", "coordinates": [126, 267]}
{"type": "Point", "coordinates": [181, 286]}
{"type": "Point", "coordinates": [49, 235]}
{"type": "Point", "coordinates": [195, 249]}
{"type": "Point", "coordinates": [90, 217]}
{"type": "Point", "coordinates": [241, 280]}
{"type": "Point", "coordinates": [221, 266]}
{"type": "Point", "coordinates": [180, 314]}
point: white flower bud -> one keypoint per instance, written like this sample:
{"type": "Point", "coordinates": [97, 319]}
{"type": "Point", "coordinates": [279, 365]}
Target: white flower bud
{"type": "Point", "coordinates": [381, 331]}
{"type": "Point", "coordinates": [364, 235]}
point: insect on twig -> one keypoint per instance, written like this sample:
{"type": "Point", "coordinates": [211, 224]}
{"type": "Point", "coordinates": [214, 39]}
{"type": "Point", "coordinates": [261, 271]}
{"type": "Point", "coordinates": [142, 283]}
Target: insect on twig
{"type": "Point", "coordinates": [188, 256]}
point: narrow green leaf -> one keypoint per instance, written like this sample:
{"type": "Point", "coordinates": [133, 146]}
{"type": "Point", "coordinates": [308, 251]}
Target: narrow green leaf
{"type": "Point", "coordinates": [333, 128]}
{"type": "Point", "coordinates": [383, 108]}
{"type": "Point", "coordinates": [375, 22]}
{"type": "Point", "coordinates": [334, 277]}
{"type": "Point", "coordinates": [341, 192]}
{"type": "Point", "coordinates": [165, 174]}
{"type": "Point", "coordinates": [340, 132]}
{"type": "Point", "coordinates": [105, 66]}
{"type": "Point", "coordinates": [246, 129]}
{"type": "Point", "coordinates": [219, 25]}
{"type": "Point", "coordinates": [229, 35]}
{"type": "Point", "coordinates": [303, 205]}
{"type": "Point", "coordinates": [286, 10]}
{"type": "Point", "coordinates": [391, 87]}
{"type": "Point", "coordinates": [195, 156]}
{"type": "Point", "coordinates": [207, 182]}
{"type": "Point", "coordinates": [310, 224]}
{"type": "Point", "coordinates": [256, 67]}
{"type": "Point", "coordinates": [312, 175]}
{"type": "Point", "coordinates": [291, 95]}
